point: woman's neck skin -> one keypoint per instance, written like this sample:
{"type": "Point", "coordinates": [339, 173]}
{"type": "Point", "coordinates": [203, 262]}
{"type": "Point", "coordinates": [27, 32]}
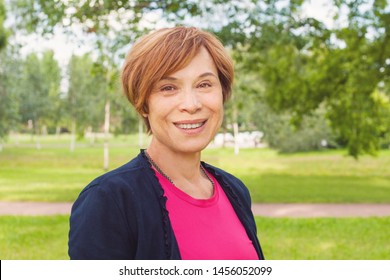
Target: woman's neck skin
{"type": "Point", "coordinates": [183, 169]}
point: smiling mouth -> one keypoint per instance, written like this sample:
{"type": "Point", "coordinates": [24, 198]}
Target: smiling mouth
{"type": "Point", "coordinates": [190, 125]}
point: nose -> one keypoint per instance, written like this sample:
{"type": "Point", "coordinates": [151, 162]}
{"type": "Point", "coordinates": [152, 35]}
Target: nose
{"type": "Point", "coordinates": [190, 101]}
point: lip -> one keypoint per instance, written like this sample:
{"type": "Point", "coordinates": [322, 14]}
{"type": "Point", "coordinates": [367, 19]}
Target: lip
{"type": "Point", "coordinates": [191, 131]}
{"type": "Point", "coordinates": [190, 121]}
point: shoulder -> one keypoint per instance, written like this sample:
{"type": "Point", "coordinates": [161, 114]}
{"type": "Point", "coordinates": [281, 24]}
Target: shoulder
{"type": "Point", "coordinates": [127, 184]}
{"type": "Point", "coordinates": [128, 175]}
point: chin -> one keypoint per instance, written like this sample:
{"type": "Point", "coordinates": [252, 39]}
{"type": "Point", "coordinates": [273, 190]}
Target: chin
{"type": "Point", "coordinates": [195, 148]}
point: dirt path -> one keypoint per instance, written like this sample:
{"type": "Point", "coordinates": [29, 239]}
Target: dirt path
{"type": "Point", "coordinates": [264, 209]}
{"type": "Point", "coordinates": [321, 210]}
{"type": "Point", "coordinates": [34, 208]}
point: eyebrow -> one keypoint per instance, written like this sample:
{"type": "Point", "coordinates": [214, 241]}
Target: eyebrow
{"type": "Point", "coordinates": [200, 76]}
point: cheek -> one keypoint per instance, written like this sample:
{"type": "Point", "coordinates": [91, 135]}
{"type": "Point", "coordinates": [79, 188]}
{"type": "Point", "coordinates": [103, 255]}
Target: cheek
{"type": "Point", "coordinates": [154, 105]}
{"type": "Point", "coordinates": [214, 101]}
{"type": "Point", "coordinates": [217, 105]}
{"type": "Point", "coordinates": [221, 115]}
{"type": "Point", "coordinates": [160, 109]}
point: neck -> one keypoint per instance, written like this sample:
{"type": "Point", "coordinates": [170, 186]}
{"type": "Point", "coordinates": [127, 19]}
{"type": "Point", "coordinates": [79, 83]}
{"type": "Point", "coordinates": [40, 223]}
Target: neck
{"type": "Point", "coordinates": [182, 169]}
{"type": "Point", "coordinates": [177, 165]}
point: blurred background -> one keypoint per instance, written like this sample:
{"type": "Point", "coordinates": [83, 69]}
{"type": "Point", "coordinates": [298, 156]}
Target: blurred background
{"type": "Point", "coordinates": [308, 123]}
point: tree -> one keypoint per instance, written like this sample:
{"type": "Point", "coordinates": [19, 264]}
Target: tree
{"type": "Point", "coordinates": [305, 64]}
{"type": "Point", "coordinates": [9, 74]}
{"type": "Point", "coordinates": [84, 99]}
{"type": "Point", "coordinates": [38, 92]}
{"type": "Point", "coordinates": [125, 119]}
{"type": "Point", "coordinates": [247, 88]}
{"type": "Point", "coordinates": [109, 74]}
{"type": "Point", "coordinates": [7, 105]}
{"type": "Point", "coordinates": [279, 133]}
{"type": "Point", "coordinates": [51, 75]}
{"type": "Point", "coordinates": [3, 32]}
{"type": "Point", "coordinates": [253, 112]}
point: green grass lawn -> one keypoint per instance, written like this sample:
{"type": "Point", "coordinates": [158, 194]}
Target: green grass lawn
{"type": "Point", "coordinates": [34, 238]}
{"type": "Point", "coordinates": [281, 238]}
{"type": "Point", "coordinates": [316, 177]}
{"type": "Point", "coordinates": [325, 238]}
{"type": "Point", "coordinates": [53, 173]}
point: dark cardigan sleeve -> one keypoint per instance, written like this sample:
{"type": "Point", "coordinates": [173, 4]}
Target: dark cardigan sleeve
{"type": "Point", "coordinates": [98, 228]}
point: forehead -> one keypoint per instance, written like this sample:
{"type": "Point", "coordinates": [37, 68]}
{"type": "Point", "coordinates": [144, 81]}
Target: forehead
{"type": "Point", "coordinates": [202, 64]}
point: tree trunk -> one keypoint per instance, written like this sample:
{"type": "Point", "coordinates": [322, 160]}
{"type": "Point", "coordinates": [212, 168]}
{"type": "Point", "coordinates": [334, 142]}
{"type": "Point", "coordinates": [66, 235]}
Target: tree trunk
{"type": "Point", "coordinates": [224, 137]}
{"type": "Point", "coordinates": [92, 139]}
{"type": "Point", "coordinates": [37, 140]}
{"type": "Point", "coordinates": [58, 131]}
{"type": "Point", "coordinates": [44, 130]}
{"type": "Point", "coordinates": [235, 132]}
{"type": "Point", "coordinates": [30, 126]}
{"type": "Point", "coordinates": [106, 135]}
{"type": "Point", "coordinates": [140, 133]}
{"type": "Point", "coordinates": [73, 136]}
{"type": "Point", "coordinates": [17, 139]}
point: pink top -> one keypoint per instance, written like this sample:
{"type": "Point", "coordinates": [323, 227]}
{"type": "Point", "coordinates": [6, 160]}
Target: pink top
{"type": "Point", "coordinates": [206, 229]}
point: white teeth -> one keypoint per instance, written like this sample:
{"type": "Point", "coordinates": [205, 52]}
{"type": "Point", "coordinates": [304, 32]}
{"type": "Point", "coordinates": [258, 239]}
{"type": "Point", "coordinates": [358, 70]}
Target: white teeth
{"type": "Point", "coordinates": [189, 126]}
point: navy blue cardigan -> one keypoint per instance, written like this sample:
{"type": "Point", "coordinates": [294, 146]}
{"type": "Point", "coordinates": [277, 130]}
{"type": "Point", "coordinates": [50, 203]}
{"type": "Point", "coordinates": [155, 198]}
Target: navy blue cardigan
{"type": "Point", "coordinates": [122, 215]}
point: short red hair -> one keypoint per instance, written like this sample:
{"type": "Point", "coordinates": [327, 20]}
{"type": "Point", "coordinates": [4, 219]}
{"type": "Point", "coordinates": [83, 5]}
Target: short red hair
{"type": "Point", "coordinates": [164, 52]}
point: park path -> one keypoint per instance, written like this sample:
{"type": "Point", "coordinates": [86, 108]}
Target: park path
{"type": "Point", "coordinates": [259, 209]}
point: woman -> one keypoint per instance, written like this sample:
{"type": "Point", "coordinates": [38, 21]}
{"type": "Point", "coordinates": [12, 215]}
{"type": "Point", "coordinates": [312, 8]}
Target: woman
{"type": "Point", "coordinates": [166, 203]}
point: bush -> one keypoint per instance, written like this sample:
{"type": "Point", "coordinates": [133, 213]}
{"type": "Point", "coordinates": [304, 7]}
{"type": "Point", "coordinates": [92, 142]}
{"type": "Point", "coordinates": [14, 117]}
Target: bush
{"type": "Point", "coordinates": [313, 133]}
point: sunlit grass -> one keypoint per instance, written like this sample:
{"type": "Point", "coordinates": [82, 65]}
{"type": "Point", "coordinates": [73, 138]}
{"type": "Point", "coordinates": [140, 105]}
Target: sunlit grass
{"type": "Point", "coordinates": [33, 238]}
{"type": "Point", "coordinates": [325, 238]}
{"type": "Point", "coordinates": [329, 176]}
{"type": "Point", "coordinates": [46, 237]}
{"type": "Point", "coordinates": [53, 173]}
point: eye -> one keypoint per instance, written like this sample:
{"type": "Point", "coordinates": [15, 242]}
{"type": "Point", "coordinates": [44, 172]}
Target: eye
{"type": "Point", "coordinates": [205, 84]}
{"type": "Point", "coordinates": [167, 88]}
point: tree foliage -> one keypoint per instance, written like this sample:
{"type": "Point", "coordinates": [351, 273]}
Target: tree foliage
{"type": "Point", "coordinates": [314, 133]}
{"type": "Point", "coordinates": [83, 100]}
{"type": "Point", "coordinates": [3, 32]}
{"type": "Point", "coordinates": [305, 63]}
{"type": "Point", "coordinates": [9, 74]}
{"type": "Point", "coordinates": [95, 16]}
{"type": "Point", "coordinates": [7, 103]}
{"type": "Point", "coordinates": [39, 90]}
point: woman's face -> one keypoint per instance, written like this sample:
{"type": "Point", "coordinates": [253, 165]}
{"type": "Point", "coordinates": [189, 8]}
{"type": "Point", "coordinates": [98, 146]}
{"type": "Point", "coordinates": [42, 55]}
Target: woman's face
{"type": "Point", "coordinates": [186, 107]}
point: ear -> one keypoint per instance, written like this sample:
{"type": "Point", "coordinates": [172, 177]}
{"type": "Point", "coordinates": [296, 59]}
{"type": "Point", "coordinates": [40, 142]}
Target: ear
{"type": "Point", "coordinates": [145, 115]}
